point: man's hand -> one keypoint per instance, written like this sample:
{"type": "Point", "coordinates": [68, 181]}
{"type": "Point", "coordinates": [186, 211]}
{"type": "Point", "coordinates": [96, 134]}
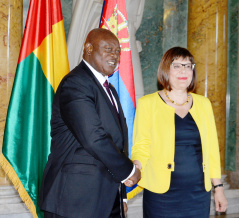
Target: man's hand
{"type": "Point", "coordinates": [133, 179]}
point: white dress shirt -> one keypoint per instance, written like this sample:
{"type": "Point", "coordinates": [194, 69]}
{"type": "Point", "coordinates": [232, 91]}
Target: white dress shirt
{"type": "Point", "coordinates": [101, 78]}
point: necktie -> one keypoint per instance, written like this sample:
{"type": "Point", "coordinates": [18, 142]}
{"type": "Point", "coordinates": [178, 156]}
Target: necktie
{"type": "Point", "coordinates": [106, 85]}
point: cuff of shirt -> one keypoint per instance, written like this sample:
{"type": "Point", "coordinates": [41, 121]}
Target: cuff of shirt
{"type": "Point", "coordinates": [125, 200]}
{"type": "Point", "coordinates": [131, 174]}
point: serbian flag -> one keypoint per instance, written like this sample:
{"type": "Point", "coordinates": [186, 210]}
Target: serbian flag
{"type": "Point", "coordinates": [114, 18]}
{"type": "Point", "coordinates": [42, 64]}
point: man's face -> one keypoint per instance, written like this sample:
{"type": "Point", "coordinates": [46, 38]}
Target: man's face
{"type": "Point", "coordinates": [105, 54]}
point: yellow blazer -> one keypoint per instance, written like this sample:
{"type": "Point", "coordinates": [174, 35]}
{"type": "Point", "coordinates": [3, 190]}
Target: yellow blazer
{"type": "Point", "coordinates": [154, 141]}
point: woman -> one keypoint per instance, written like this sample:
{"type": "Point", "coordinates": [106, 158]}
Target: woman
{"type": "Point", "coordinates": [175, 144]}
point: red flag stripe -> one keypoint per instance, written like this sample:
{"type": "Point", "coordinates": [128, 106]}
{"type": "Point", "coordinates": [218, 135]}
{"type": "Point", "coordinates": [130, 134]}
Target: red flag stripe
{"type": "Point", "coordinates": [56, 12]}
{"type": "Point", "coordinates": [39, 24]}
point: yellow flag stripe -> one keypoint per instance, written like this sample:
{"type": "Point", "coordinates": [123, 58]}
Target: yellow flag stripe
{"type": "Point", "coordinates": [61, 63]}
{"type": "Point", "coordinates": [44, 54]}
{"type": "Point", "coordinates": [52, 54]}
{"type": "Point", "coordinates": [134, 192]}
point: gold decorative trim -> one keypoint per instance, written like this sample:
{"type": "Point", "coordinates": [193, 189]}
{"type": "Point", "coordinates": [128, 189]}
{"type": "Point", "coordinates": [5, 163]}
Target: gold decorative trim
{"type": "Point", "coordinates": [8, 169]}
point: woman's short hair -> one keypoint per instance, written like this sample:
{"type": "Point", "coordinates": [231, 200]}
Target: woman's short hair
{"type": "Point", "coordinates": [164, 68]}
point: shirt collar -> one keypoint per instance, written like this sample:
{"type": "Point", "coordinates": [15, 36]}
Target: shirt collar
{"type": "Point", "coordinates": [101, 78]}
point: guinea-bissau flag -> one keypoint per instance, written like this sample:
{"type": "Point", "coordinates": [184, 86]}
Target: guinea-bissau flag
{"type": "Point", "coordinates": [42, 64]}
{"type": "Point", "coordinates": [114, 18]}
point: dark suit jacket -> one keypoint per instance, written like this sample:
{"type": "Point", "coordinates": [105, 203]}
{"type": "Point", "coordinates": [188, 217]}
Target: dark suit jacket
{"type": "Point", "coordinates": [88, 156]}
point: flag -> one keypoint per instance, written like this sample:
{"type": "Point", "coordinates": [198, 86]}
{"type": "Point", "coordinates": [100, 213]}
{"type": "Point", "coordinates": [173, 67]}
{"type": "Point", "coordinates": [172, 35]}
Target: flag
{"type": "Point", "coordinates": [114, 18]}
{"type": "Point", "coordinates": [41, 65]}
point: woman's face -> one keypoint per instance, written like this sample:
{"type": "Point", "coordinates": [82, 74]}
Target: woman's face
{"type": "Point", "coordinates": [180, 74]}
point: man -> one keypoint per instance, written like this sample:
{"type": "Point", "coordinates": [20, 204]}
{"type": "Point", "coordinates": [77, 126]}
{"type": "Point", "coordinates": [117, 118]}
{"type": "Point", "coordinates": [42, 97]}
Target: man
{"type": "Point", "coordinates": [88, 163]}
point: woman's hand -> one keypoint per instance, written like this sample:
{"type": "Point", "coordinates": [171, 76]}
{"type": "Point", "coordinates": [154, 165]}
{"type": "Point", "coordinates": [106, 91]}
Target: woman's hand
{"type": "Point", "coordinates": [220, 199]}
{"type": "Point", "coordinates": [137, 164]}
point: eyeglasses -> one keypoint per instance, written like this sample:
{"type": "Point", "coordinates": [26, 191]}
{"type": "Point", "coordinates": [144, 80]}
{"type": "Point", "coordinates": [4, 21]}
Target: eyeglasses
{"type": "Point", "coordinates": [179, 66]}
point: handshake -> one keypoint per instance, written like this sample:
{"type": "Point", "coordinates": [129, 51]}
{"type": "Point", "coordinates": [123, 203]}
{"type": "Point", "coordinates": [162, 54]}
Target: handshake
{"type": "Point", "coordinates": [136, 176]}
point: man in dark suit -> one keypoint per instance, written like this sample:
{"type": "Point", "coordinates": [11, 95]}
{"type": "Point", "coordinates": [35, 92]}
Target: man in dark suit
{"type": "Point", "coordinates": [88, 167]}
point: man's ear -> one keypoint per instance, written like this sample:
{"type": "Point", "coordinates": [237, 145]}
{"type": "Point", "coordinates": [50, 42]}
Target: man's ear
{"type": "Point", "coordinates": [88, 48]}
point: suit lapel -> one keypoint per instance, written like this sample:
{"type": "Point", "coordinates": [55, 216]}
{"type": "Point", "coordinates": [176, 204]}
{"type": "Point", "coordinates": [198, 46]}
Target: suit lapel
{"type": "Point", "coordinates": [111, 107]}
{"type": "Point", "coordinates": [121, 115]}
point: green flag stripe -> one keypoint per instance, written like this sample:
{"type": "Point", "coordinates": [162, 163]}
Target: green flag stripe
{"type": "Point", "coordinates": [28, 118]}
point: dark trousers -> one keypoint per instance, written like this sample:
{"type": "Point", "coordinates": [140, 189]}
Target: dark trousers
{"type": "Point", "coordinates": [51, 215]}
{"type": "Point", "coordinates": [115, 213]}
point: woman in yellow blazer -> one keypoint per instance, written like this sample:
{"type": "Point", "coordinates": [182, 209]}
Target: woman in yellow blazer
{"type": "Point", "coordinates": [175, 144]}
